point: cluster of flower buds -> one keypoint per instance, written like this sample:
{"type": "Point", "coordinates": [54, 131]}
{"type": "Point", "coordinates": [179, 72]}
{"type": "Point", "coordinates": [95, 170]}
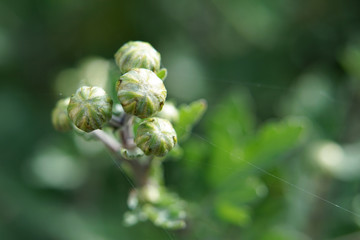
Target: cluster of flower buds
{"type": "Point", "coordinates": [141, 93]}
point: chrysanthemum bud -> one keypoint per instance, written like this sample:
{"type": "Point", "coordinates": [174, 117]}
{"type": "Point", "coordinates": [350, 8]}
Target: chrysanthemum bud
{"type": "Point", "coordinates": [59, 116]}
{"type": "Point", "coordinates": [141, 92]}
{"type": "Point", "coordinates": [90, 108]}
{"type": "Point", "coordinates": [155, 136]}
{"type": "Point", "coordinates": [137, 55]}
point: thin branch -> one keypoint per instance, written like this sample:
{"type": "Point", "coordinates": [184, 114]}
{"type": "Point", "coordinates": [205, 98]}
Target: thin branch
{"type": "Point", "coordinates": [115, 122]}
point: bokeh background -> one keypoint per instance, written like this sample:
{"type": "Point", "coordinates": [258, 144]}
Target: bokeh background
{"type": "Point", "coordinates": [282, 81]}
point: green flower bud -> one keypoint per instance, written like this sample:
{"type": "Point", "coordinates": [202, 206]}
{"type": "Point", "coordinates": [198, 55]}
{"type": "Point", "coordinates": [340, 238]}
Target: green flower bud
{"type": "Point", "coordinates": [155, 136]}
{"type": "Point", "coordinates": [59, 116]}
{"type": "Point", "coordinates": [90, 108]}
{"type": "Point", "coordinates": [141, 92]}
{"type": "Point", "coordinates": [137, 55]}
{"type": "Point", "coordinates": [131, 154]}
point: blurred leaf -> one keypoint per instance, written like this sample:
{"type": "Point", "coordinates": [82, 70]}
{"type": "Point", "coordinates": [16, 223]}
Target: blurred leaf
{"type": "Point", "coordinates": [265, 150]}
{"type": "Point", "coordinates": [239, 154]}
{"type": "Point", "coordinates": [283, 233]}
{"type": "Point", "coordinates": [230, 126]}
{"type": "Point", "coordinates": [113, 76]}
{"type": "Point", "coordinates": [232, 123]}
{"type": "Point", "coordinates": [241, 14]}
{"type": "Point", "coordinates": [243, 191]}
{"type": "Point", "coordinates": [310, 96]}
{"type": "Point", "coordinates": [235, 214]}
{"type": "Point", "coordinates": [272, 142]}
{"type": "Point", "coordinates": [350, 60]}
{"type": "Point", "coordinates": [188, 116]}
{"type": "Point", "coordinates": [232, 199]}
{"type": "Point", "coordinates": [237, 151]}
{"type": "Point", "coordinates": [314, 96]}
{"type": "Point", "coordinates": [162, 73]}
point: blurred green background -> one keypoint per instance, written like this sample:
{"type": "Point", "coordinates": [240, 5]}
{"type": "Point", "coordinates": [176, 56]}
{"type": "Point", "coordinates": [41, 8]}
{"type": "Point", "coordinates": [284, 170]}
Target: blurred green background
{"type": "Point", "coordinates": [282, 79]}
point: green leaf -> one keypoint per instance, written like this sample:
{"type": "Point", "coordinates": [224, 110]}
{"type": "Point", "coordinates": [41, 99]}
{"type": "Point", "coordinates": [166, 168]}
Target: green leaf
{"type": "Point", "coordinates": [188, 116]}
{"type": "Point", "coordinates": [248, 190]}
{"type": "Point", "coordinates": [233, 121]}
{"type": "Point", "coordinates": [231, 199]}
{"type": "Point", "coordinates": [235, 214]}
{"type": "Point", "coordinates": [350, 59]}
{"type": "Point", "coordinates": [272, 142]}
{"type": "Point", "coordinates": [162, 73]}
{"type": "Point", "coordinates": [283, 232]}
{"type": "Point", "coordinates": [113, 76]}
{"type": "Point", "coordinates": [234, 174]}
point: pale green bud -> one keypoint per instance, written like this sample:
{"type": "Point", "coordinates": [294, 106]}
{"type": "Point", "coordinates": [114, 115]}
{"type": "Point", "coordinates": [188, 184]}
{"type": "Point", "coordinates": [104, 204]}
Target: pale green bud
{"type": "Point", "coordinates": [59, 116]}
{"type": "Point", "coordinates": [155, 136]}
{"type": "Point", "coordinates": [137, 54]}
{"type": "Point", "coordinates": [141, 92]}
{"type": "Point", "coordinates": [90, 108]}
{"type": "Point", "coordinates": [169, 112]}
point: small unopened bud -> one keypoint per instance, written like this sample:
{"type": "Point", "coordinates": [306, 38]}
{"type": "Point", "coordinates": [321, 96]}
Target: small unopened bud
{"type": "Point", "coordinates": [90, 108]}
{"type": "Point", "coordinates": [59, 116]}
{"type": "Point", "coordinates": [155, 136]}
{"type": "Point", "coordinates": [141, 92]}
{"type": "Point", "coordinates": [137, 54]}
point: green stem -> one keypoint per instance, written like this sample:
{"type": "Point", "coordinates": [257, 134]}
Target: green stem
{"type": "Point", "coordinates": [126, 132]}
{"type": "Point", "coordinates": [140, 169]}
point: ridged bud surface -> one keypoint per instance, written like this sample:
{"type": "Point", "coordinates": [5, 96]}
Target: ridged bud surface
{"type": "Point", "coordinates": [137, 54]}
{"type": "Point", "coordinates": [90, 108]}
{"type": "Point", "coordinates": [141, 92]}
{"type": "Point", "coordinates": [59, 116]}
{"type": "Point", "coordinates": [155, 136]}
